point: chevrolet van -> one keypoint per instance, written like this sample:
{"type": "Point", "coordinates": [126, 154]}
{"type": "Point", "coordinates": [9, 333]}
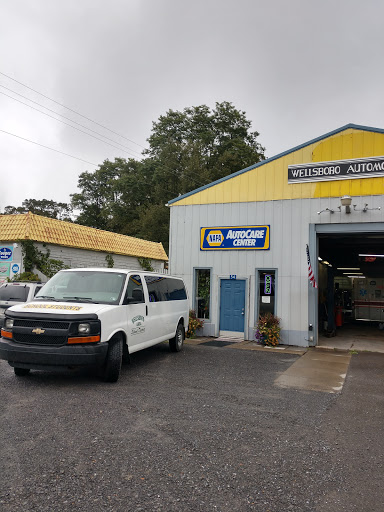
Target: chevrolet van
{"type": "Point", "coordinates": [94, 317]}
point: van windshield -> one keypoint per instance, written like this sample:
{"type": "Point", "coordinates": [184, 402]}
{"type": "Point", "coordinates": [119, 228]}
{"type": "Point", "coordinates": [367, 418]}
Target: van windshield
{"type": "Point", "coordinates": [84, 286]}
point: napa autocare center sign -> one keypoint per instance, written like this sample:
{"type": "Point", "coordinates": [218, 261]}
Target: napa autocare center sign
{"type": "Point", "coordinates": [337, 170]}
{"type": "Point", "coordinates": [234, 238]}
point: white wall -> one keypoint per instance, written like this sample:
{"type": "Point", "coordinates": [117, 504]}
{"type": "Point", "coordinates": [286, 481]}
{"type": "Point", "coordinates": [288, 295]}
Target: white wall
{"type": "Point", "coordinates": [289, 221]}
{"type": "Point", "coordinates": [77, 258]}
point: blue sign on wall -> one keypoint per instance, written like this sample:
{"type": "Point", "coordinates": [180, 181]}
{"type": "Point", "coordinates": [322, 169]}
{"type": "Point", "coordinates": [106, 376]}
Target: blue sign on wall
{"type": "Point", "coordinates": [6, 253]}
{"type": "Point", "coordinates": [235, 238]}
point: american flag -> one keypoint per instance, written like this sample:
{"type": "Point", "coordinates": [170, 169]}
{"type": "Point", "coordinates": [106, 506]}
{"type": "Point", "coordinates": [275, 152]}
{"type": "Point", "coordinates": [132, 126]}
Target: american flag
{"type": "Point", "coordinates": [311, 275]}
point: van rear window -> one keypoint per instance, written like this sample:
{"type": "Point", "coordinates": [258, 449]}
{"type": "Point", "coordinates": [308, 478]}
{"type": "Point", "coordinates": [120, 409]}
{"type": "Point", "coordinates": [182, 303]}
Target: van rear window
{"type": "Point", "coordinates": [14, 293]}
{"type": "Point", "coordinates": [161, 289]}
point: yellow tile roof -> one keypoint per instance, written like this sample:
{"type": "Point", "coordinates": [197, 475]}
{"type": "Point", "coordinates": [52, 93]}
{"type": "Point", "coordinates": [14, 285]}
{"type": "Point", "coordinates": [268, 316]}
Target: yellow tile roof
{"type": "Point", "coordinates": [29, 226]}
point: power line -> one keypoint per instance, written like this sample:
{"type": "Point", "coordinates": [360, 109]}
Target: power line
{"type": "Point", "coordinates": [77, 113]}
{"type": "Point", "coordinates": [74, 111]}
{"type": "Point", "coordinates": [47, 147]}
{"type": "Point", "coordinates": [62, 152]}
{"type": "Point", "coordinates": [61, 115]}
{"type": "Point", "coordinates": [67, 124]}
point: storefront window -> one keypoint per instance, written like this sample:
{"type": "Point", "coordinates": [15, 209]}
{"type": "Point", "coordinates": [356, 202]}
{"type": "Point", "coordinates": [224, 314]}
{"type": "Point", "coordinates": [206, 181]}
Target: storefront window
{"type": "Point", "coordinates": [266, 295]}
{"type": "Point", "coordinates": [202, 292]}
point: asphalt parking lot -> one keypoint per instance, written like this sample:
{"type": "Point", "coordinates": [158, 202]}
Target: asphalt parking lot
{"type": "Point", "coordinates": [203, 430]}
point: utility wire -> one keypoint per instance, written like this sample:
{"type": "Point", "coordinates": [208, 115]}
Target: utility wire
{"type": "Point", "coordinates": [61, 152]}
{"type": "Point", "coordinates": [74, 111]}
{"type": "Point", "coordinates": [74, 127]}
{"type": "Point", "coordinates": [47, 147]}
{"type": "Point", "coordinates": [61, 115]}
{"type": "Point", "coordinates": [1, 73]}
{"type": "Point", "coordinates": [67, 124]}
{"type": "Point", "coordinates": [77, 113]}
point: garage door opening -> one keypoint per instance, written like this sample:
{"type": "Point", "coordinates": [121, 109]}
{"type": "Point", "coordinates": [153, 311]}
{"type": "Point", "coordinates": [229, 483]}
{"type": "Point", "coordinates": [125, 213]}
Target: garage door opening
{"type": "Point", "coordinates": [351, 287]}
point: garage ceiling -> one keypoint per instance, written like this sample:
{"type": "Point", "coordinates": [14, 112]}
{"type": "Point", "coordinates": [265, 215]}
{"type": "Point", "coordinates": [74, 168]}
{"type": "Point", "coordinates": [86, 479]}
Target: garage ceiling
{"type": "Point", "coordinates": [343, 251]}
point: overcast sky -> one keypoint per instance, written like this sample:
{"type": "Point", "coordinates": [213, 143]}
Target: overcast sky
{"type": "Point", "coordinates": [298, 68]}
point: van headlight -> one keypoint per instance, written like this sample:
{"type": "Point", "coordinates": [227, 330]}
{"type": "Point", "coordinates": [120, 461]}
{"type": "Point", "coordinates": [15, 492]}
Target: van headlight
{"type": "Point", "coordinates": [84, 328]}
{"type": "Point", "coordinates": [8, 323]}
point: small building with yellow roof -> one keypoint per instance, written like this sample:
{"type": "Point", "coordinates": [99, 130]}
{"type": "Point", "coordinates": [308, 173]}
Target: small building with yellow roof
{"type": "Point", "coordinates": [73, 244]}
{"type": "Point", "coordinates": [299, 235]}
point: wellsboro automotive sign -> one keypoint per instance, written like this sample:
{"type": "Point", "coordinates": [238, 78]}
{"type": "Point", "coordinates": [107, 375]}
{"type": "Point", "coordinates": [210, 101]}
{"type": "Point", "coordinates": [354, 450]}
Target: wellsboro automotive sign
{"type": "Point", "coordinates": [337, 170]}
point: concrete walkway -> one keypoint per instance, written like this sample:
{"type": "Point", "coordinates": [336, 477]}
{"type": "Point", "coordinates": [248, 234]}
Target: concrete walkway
{"type": "Point", "coordinates": [317, 370]}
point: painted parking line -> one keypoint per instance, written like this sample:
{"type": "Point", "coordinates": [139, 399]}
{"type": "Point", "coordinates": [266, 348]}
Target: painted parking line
{"type": "Point", "coordinates": [316, 371]}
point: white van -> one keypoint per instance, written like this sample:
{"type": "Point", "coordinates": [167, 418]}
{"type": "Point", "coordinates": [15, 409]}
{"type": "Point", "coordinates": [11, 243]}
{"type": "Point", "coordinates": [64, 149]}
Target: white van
{"type": "Point", "coordinates": [94, 317]}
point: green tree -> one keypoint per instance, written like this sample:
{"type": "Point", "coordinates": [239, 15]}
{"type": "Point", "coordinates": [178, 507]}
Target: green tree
{"type": "Point", "coordinates": [44, 207]}
{"type": "Point", "coordinates": [198, 145]}
{"type": "Point", "coordinates": [187, 150]}
{"type": "Point", "coordinates": [109, 198]}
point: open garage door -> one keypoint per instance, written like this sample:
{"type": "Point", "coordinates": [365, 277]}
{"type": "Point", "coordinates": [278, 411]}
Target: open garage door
{"type": "Point", "coordinates": [351, 285]}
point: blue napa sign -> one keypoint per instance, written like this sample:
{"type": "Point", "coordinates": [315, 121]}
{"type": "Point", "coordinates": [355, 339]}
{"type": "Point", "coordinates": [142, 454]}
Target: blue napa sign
{"type": "Point", "coordinates": [235, 238]}
{"type": "Point", "coordinates": [6, 253]}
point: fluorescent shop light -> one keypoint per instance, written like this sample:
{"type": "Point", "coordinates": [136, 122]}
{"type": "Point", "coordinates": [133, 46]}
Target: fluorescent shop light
{"type": "Point", "coordinates": [320, 259]}
{"type": "Point", "coordinates": [325, 262]}
{"type": "Point", "coordinates": [354, 273]}
{"type": "Point", "coordinates": [373, 255]}
{"type": "Point", "coordinates": [359, 277]}
{"type": "Point", "coordinates": [348, 268]}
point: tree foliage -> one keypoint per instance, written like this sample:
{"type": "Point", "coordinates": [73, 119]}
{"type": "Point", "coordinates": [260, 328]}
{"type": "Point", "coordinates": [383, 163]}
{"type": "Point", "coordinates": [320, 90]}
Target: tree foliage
{"type": "Point", "coordinates": [187, 149]}
{"type": "Point", "coordinates": [44, 207]}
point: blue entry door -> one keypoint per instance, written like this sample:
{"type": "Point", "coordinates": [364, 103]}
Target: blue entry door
{"type": "Point", "coordinates": [232, 305]}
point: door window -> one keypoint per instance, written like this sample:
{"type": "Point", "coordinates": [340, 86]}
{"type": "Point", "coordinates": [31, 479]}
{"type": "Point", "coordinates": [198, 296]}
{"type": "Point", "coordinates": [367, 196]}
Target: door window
{"type": "Point", "coordinates": [134, 293]}
{"type": "Point", "coordinates": [202, 292]}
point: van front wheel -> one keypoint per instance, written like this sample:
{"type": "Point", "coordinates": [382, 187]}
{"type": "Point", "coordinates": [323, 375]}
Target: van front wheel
{"type": "Point", "coordinates": [176, 343]}
{"type": "Point", "coordinates": [113, 361]}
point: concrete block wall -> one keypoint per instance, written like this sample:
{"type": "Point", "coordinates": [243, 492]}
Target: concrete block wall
{"type": "Point", "coordinates": [78, 258]}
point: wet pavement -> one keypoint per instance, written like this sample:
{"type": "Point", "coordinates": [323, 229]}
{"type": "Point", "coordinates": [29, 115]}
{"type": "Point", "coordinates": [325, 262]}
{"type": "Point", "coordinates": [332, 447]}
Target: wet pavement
{"type": "Point", "coordinates": [318, 371]}
{"type": "Point", "coordinates": [206, 429]}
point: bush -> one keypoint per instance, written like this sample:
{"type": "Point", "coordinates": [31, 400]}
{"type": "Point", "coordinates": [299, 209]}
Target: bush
{"type": "Point", "coordinates": [268, 330]}
{"type": "Point", "coordinates": [24, 276]}
{"type": "Point", "coordinates": [194, 324]}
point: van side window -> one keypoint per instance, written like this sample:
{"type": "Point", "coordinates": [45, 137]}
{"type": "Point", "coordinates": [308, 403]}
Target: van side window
{"type": "Point", "coordinates": [176, 290]}
{"type": "Point", "coordinates": [162, 289]}
{"type": "Point", "coordinates": [134, 293]}
{"type": "Point", "coordinates": [157, 288]}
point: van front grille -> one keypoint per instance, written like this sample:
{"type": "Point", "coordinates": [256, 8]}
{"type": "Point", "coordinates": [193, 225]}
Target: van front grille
{"type": "Point", "coordinates": [43, 324]}
{"type": "Point", "coordinates": [35, 339]}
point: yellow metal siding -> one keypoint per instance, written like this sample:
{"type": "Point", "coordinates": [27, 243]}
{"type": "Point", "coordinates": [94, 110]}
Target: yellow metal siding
{"type": "Point", "coordinates": [269, 182]}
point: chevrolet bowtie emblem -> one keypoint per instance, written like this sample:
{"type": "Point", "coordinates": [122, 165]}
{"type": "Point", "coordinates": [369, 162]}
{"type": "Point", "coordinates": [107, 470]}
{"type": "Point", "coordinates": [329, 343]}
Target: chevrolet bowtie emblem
{"type": "Point", "coordinates": [38, 331]}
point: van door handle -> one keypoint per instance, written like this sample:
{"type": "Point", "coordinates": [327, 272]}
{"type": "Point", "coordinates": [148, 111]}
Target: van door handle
{"type": "Point", "coordinates": [146, 310]}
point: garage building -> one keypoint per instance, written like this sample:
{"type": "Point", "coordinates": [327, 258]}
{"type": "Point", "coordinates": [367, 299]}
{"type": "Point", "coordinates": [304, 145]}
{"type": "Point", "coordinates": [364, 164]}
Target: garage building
{"type": "Point", "coordinates": [241, 242]}
{"type": "Point", "coordinates": [73, 244]}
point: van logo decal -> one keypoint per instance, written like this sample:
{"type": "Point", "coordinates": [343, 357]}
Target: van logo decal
{"type": "Point", "coordinates": [53, 306]}
{"type": "Point", "coordinates": [138, 326]}
{"type": "Point", "coordinates": [38, 331]}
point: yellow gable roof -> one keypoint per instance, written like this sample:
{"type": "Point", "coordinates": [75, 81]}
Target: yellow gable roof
{"type": "Point", "coordinates": [29, 226]}
{"type": "Point", "coordinates": [268, 179]}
